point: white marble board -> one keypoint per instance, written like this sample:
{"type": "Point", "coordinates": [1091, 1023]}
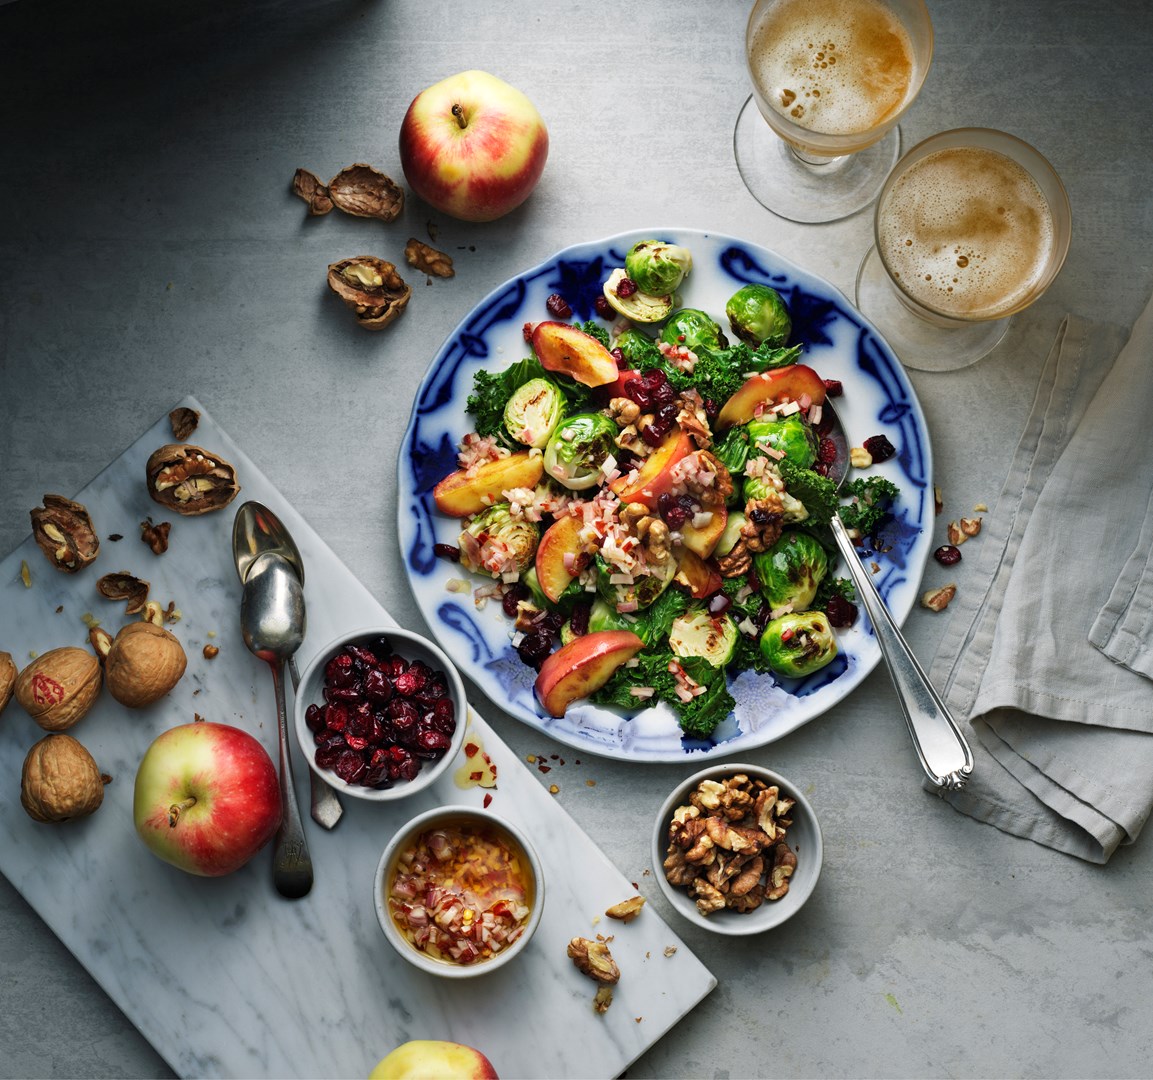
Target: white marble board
{"type": "Point", "coordinates": [223, 976]}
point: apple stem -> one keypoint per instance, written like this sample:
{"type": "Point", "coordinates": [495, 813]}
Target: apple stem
{"type": "Point", "coordinates": [176, 809]}
{"type": "Point", "coordinates": [461, 119]}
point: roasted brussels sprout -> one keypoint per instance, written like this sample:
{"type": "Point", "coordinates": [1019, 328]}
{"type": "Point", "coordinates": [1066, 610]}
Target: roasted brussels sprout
{"type": "Point", "coordinates": [695, 329]}
{"type": "Point", "coordinates": [799, 643]}
{"type": "Point", "coordinates": [529, 578]}
{"type": "Point", "coordinates": [711, 637]}
{"type": "Point", "coordinates": [757, 487]}
{"type": "Point", "coordinates": [790, 571]}
{"type": "Point", "coordinates": [657, 267]}
{"type": "Point", "coordinates": [494, 542]}
{"type": "Point", "coordinates": [604, 616]}
{"type": "Point", "coordinates": [791, 435]}
{"type": "Point", "coordinates": [533, 412]}
{"type": "Point", "coordinates": [578, 448]}
{"type": "Point", "coordinates": [635, 346]}
{"type": "Point", "coordinates": [637, 594]}
{"type": "Point", "coordinates": [634, 303]}
{"type": "Point", "coordinates": [758, 315]}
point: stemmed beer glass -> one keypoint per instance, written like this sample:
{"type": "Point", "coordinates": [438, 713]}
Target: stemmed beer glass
{"type": "Point", "coordinates": [831, 79]}
{"type": "Point", "coordinates": [971, 226]}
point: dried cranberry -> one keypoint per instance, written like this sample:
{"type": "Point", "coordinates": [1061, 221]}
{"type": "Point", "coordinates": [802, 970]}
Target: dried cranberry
{"type": "Point", "coordinates": [663, 393]}
{"type": "Point", "coordinates": [833, 388]}
{"type": "Point", "coordinates": [578, 619]}
{"type": "Point", "coordinates": [336, 717]}
{"type": "Point", "coordinates": [603, 308]}
{"type": "Point", "coordinates": [349, 766]}
{"type": "Point", "coordinates": [402, 713]}
{"type": "Point", "coordinates": [314, 718]}
{"type": "Point", "coordinates": [446, 551]}
{"type": "Point", "coordinates": [947, 555]}
{"type": "Point", "coordinates": [879, 447]}
{"type": "Point", "coordinates": [654, 433]}
{"type": "Point", "coordinates": [381, 648]}
{"type": "Point", "coordinates": [409, 682]}
{"type": "Point", "coordinates": [675, 516]}
{"type": "Point", "coordinates": [326, 756]}
{"type": "Point", "coordinates": [335, 694]}
{"type": "Point", "coordinates": [431, 739]}
{"type": "Point", "coordinates": [826, 451]}
{"type": "Point", "coordinates": [339, 671]}
{"type": "Point", "coordinates": [513, 595]}
{"type": "Point", "coordinates": [534, 648]}
{"type": "Point", "coordinates": [558, 306]}
{"type": "Point", "coordinates": [626, 287]}
{"type": "Point", "coordinates": [377, 687]}
{"type": "Point", "coordinates": [636, 391]}
{"type": "Point", "coordinates": [841, 612]}
{"type": "Point", "coordinates": [376, 777]}
{"type": "Point", "coordinates": [365, 660]}
{"type": "Point", "coordinates": [355, 742]}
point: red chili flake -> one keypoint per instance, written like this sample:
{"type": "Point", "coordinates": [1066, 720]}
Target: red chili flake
{"type": "Point", "coordinates": [476, 775]}
{"type": "Point", "coordinates": [626, 287]}
{"type": "Point", "coordinates": [787, 633]}
{"type": "Point", "coordinates": [487, 800]}
{"type": "Point", "coordinates": [558, 306]}
{"type": "Point", "coordinates": [544, 768]}
{"type": "Point", "coordinates": [471, 749]}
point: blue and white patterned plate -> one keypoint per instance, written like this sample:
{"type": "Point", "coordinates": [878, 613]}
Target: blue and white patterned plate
{"type": "Point", "coordinates": [878, 399]}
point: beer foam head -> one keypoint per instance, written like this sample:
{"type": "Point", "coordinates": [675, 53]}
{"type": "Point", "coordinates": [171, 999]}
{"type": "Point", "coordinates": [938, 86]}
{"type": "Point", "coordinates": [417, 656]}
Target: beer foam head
{"type": "Point", "coordinates": [966, 231]}
{"type": "Point", "coordinates": [834, 66]}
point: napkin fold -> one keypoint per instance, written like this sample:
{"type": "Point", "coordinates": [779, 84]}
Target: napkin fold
{"type": "Point", "coordinates": [1047, 659]}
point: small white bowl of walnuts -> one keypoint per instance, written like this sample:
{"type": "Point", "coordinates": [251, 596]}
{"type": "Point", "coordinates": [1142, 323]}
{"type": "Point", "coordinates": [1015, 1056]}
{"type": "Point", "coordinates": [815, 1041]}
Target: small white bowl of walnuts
{"type": "Point", "coordinates": [737, 849]}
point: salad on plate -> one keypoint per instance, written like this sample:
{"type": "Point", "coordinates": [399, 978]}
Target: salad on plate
{"type": "Point", "coordinates": [647, 496]}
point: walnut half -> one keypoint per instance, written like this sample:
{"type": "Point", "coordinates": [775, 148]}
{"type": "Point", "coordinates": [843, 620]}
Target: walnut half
{"type": "Point", "coordinates": [190, 479]}
{"type": "Point", "coordinates": [593, 959]}
{"type": "Point", "coordinates": [372, 288]}
{"type": "Point", "coordinates": [63, 530]}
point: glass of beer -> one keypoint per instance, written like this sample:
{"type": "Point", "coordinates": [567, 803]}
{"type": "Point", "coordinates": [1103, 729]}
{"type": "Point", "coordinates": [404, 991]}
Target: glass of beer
{"type": "Point", "coordinates": [972, 226]}
{"type": "Point", "coordinates": [831, 79]}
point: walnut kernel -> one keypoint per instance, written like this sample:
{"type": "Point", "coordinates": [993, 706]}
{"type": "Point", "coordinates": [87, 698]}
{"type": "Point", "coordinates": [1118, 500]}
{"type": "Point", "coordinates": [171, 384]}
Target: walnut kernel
{"type": "Point", "coordinates": [427, 259]}
{"type": "Point", "coordinates": [60, 780]}
{"type": "Point", "coordinates": [593, 959]}
{"type": "Point", "coordinates": [938, 599]}
{"type": "Point", "coordinates": [626, 910]}
{"type": "Point", "coordinates": [58, 688]}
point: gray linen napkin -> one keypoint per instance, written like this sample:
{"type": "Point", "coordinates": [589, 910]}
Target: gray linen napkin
{"type": "Point", "coordinates": [1047, 659]}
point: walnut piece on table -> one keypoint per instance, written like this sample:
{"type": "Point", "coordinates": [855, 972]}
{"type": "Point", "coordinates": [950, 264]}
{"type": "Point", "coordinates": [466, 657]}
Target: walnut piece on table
{"type": "Point", "coordinates": [428, 259]}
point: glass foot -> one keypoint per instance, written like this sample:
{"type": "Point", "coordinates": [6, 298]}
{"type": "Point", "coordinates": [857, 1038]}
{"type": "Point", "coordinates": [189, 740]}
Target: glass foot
{"type": "Point", "coordinates": [920, 345]}
{"type": "Point", "coordinates": [798, 191]}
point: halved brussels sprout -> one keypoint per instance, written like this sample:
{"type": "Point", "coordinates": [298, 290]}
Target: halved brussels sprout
{"type": "Point", "coordinates": [657, 267]}
{"type": "Point", "coordinates": [757, 314]}
{"type": "Point", "coordinates": [695, 329]}
{"type": "Point", "coordinates": [496, 543]}
{"type": "Point", "coordinates": [604, 616]}
{"type": "Point", "coordinates": [711, 637]}
{"type": "Point", "coordinates": [578, 448]}
{"type": "Point", "coordinates": [533, 411]}
{"type": "Point", "coordinates": [635, 346]}
{"type": "Point", "coordinates": [791, 435]}
{"type": "Point", "coordinates": [639, 306]}
{"type": "Point", "coordinates": [798, 644]}
{"type": "Point", "coordinates": [790, 571]}
{"type": "Point", "coordinates": [529, 578]}
{"type": "Point", "coordinates": [641, 591]}
{"type": "Point", "coordinates": [756, 487]}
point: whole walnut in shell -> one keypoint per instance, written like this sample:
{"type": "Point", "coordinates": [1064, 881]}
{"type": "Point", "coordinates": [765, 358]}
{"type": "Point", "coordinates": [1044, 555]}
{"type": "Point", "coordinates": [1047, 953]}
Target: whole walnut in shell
{"type": "Point", "coordinates": [7, 678]}
{"type": "Point", "coordinates": [60, 780]}
{"type": "Point", "coordinates": [58, 688]}
{"type": "Point", "coordinates": [144, 662]}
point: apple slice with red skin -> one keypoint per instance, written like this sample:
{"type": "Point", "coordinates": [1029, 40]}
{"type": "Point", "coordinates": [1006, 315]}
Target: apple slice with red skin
{"type": "Point", "coordinates": [583, 666]}
{"type": "Point", "coordinates": [701, 540]}
{"type": "Point", "coordinates": [655, 475]}
{"type": "Point", "coordinates": [771, 388]}
{"type": "Point", "coordinates": [461, 493]}
{"type": "Point", "coordinates": [561, 538]}
{"type": "Point", "coordinates": [617, 389]}
{"type": "Point", "coordinates": [699, 577]}
{"type": "Point", "coordinates": [563, 348]}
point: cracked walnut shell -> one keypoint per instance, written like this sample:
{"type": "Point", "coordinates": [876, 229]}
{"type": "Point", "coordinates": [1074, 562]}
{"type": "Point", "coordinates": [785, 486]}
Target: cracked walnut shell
{"type": "Point", "coordinates": [63, 530]}
{"type": "Point", "coordinates": [143, 664]}
{"type": "Point", "coordinates": [190, 479]}
{"type": "Point", "coordinates": [60, 780]}
{"type": "Point", "coordinates": [58, 688]}
{"type": "Point", "coordinates": [372, 288]}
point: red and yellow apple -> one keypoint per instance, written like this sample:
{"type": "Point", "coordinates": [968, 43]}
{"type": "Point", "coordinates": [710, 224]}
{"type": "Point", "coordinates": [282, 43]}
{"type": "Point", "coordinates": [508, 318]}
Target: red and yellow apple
{"type": "Point", "coordinates": [207, 798]}
{"type": "Point", "coordinates": [467, 492]}
{"type": "Point", "coordinates": [655, 475]}
{"type": "Point", "coordinates": [583, 666]}
{"type": "Point", "coordinates": [433, 1059]}
{"type": "Point", "coordinates": [564, 348]}
{"type": "Point", "coordinates": [560, 544]}
{"type": "Point", "coordinates": [472, 146]}
{"type": "Point", "coordinates": [771, 388]}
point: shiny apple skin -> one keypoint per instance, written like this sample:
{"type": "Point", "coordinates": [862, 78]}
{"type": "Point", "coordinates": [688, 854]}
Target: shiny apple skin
{"type": "Point", "coordinates": [481, 171]}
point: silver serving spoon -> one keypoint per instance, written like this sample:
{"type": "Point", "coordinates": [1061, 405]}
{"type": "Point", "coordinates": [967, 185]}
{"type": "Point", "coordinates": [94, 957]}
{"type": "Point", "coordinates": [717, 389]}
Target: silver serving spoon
{"type": "Point", "coordinates": [272, 621]}
{"type": "Point", "coordinates": [255, 530]}
{"type": "Point", "coordinates": [942, 749]}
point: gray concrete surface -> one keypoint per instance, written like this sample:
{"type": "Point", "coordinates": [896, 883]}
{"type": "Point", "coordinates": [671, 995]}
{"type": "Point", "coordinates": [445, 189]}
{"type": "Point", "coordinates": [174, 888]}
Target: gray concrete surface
{"type": "Point", "coordinates": [149, 248]}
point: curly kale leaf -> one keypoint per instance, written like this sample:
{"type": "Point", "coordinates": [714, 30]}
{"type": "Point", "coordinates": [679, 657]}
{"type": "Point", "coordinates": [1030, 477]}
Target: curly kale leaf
{"type": "Point", "coordinates": [595, 330]}
{"type": "Point", "coordinates": [650, 670]}
{"type": "Point", "coordinates": [871, 498]}
{"type": "Point", "coordinates": [817, 493]}
{"type": "Point", "coordinates": [700, 716]}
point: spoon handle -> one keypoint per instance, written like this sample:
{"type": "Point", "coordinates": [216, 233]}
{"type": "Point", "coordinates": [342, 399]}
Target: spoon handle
{"type": "Point", "coordinates": [942, 749]}
{"type": "Point", "coordinates": [291, 863]}
{"type": "Point", "coordinates": [326, 806]}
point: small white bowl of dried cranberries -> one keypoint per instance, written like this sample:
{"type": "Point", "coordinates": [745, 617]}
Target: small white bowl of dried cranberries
{"type": "Point", "coordinates": [380, 713]}
{"type": "Point", "coordinates": [459, 892]}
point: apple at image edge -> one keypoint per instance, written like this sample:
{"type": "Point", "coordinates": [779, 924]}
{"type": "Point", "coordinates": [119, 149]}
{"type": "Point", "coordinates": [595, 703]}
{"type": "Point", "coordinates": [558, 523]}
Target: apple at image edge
{"type": "Point", "coordinates": [473, 146]}
{"type": "Point", "coordinates": [433, 1059]}
{"type": "Point", "coordinates": [222, 788]}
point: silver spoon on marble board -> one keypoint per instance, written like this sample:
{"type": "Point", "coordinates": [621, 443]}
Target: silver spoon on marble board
{"type": "Point", "coordinates": [943, 752]}
{"type": "Point", "coordinates": [272, 622]}
{"type": "Point", "coordinates": [255, 530]}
